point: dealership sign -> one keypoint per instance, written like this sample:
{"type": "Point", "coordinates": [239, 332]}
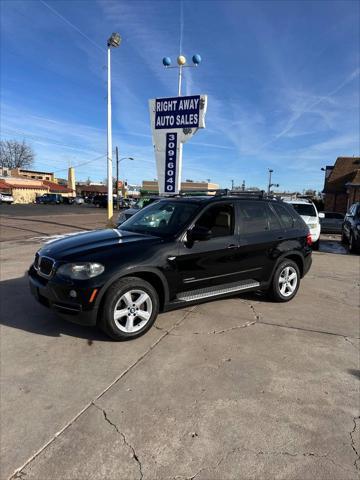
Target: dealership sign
{"type": "Point", "coordinates": [173, 122]}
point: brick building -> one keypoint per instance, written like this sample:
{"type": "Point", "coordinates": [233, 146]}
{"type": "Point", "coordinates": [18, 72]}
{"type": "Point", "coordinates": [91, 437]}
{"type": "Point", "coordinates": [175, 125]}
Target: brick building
{"type": "Point", "coordinates": [342, 185]}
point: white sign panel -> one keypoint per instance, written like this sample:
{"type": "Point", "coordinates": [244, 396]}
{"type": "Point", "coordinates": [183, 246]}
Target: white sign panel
{"type": "Point", "coordinates": [173, 122]}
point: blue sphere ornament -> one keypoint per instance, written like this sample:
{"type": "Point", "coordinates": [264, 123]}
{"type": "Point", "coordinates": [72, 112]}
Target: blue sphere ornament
{"type": "Point", "coordinates": [196, 59]}
{"type": "Point", "coordinates": [166, 61]}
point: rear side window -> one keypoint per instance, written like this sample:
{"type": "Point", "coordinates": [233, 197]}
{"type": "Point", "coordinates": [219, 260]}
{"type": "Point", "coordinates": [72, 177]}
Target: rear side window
{"type": "Point", "coordinates": [257, 217]}
{"type": "Point", "coordinates": [287, 219]}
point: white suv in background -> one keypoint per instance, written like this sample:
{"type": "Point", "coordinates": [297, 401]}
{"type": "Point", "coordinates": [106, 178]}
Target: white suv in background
{"type": "Point", "coordinates": [308, 212]}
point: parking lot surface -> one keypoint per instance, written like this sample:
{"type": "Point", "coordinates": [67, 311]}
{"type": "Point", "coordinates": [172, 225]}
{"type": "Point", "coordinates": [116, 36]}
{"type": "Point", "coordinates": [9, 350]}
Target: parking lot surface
{"type": "Point", "coordinates": [240, 388]}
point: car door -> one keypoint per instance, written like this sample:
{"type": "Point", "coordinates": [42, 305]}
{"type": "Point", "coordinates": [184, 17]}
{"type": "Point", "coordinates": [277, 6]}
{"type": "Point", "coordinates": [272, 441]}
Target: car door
{"type": "Point", "coordinates": [260, 233]}
{"type": "Point", "coordinates": [213, 261]}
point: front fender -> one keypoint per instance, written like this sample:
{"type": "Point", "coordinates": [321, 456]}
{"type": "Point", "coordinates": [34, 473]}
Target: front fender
{"type": "Point", "coordinates": [132, 271]}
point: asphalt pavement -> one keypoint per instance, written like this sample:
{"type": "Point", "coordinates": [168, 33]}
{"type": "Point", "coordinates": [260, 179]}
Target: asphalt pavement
{"type": "Point", "coordinates": [240, 388]}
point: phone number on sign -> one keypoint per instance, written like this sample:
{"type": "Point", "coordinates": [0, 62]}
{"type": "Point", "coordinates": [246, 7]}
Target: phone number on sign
{"type": "Point", "coordinates": [170, 167]}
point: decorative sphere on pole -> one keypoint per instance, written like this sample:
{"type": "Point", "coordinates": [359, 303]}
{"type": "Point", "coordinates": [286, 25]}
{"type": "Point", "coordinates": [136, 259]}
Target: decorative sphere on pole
{"type": "Point", "coordinates": [196, 59]}
{"type": "Point", "coordinates": [181, 60]}
{"type": "Point", "coordinates": [166, 61]}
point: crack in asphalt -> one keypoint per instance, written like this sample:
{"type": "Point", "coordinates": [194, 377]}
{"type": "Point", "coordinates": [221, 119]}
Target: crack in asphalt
{"type": "Point", "coordinates": [217, 332]}
{"type": "Point", "coordinates": [19, 471]}
{"type": "Point", "coordinates": [134, 454]}
{"type": "Point", "coordinates": [353, 444]}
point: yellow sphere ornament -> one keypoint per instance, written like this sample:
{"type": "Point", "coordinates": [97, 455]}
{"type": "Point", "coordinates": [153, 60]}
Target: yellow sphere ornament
{"type": "Point", "coordinates": [181, 60]}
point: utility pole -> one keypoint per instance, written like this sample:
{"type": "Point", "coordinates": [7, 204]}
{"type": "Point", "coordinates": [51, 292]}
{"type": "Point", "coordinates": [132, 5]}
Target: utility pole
{"type": "Point", "coordinates": [232, 184]}
{"type": "Point", "coordinates": [271, 184]}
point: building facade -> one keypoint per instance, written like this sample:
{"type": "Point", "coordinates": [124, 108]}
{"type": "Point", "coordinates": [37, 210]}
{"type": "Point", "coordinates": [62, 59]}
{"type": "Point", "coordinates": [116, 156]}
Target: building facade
{"type": "Point", "coordinates": [152, 186]}
{"type": "Point", "coordinates": [342, 185]}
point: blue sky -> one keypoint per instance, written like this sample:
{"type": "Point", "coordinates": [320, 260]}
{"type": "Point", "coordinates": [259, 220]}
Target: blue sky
{"type": "Point", "coordinates": [282, 79]}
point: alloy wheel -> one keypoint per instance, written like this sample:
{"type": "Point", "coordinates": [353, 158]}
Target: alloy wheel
{"type": "Point", "coordinates": [288, 280]}
{"type": "Point", "coordinates": [133, 311]}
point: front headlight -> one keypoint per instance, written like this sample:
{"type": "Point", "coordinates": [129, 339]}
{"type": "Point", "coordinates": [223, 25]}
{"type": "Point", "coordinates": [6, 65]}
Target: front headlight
{"type": "Point", "coordinates": [80, 271]}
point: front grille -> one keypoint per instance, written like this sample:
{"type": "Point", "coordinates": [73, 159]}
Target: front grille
{"type": "Point", "coordinates": [45, 266]}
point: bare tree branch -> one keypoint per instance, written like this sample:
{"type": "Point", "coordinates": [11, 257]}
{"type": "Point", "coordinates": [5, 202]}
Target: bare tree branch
{"type": "Point", "coordinates": [14, 154]}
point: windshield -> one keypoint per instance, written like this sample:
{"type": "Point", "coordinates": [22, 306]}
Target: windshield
{"type": "Point", "coordinates": [163, 218]}
{"type": "Point", "coordinates": [305, 209]}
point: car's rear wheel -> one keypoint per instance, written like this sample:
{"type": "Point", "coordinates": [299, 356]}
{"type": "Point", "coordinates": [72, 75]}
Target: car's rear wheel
{"type": "Point", "coordinates": [130, 309]}
{"type": "Point", "coordinates": [286, 281]}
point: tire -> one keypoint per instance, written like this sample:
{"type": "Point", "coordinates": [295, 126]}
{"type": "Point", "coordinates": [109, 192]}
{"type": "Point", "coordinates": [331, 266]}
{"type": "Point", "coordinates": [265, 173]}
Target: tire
{"type": "Point", "coordinates": [352, 248]}
{"type": "Point", "coordinates": [315, 245]}
{"type": "Point", "coordinates": [277, 291]}
{"type": "Point", "coordinates": [124, 296]}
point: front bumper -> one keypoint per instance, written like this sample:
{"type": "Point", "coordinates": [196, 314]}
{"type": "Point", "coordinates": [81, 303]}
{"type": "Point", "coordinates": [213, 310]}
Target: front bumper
{"type": "Point", "coordinates": [57, 299]}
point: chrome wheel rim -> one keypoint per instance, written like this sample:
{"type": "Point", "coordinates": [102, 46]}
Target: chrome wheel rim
{"type": "Point", "coordinates": [133, 311]}
{"type": "Point", "coordinates": [288, 280]}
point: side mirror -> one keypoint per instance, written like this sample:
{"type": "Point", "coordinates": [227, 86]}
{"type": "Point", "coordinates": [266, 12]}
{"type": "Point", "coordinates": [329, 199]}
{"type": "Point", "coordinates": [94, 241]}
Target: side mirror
{"type": "Point", "coordinates": [199, 234]}
{"type": "Point", "coordinates": [321, 215]}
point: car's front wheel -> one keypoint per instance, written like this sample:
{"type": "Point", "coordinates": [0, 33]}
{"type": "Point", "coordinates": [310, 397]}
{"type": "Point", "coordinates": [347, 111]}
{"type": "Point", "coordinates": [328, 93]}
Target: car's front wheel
{"type": "Point", "coordinates": [286, 281]}
{"type": "Point", "coordinates": [130, 309]}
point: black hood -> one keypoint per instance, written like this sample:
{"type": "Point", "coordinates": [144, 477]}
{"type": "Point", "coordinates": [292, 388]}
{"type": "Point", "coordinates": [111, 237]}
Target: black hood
{"type": "Point", "coordinates": [83, 244]}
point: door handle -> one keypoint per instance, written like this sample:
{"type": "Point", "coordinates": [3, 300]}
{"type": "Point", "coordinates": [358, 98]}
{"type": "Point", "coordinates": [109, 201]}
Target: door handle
{"type": "Point", "coordinates": [232, 245]}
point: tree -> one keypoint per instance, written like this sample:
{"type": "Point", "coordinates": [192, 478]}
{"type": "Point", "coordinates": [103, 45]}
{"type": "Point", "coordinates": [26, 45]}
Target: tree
{"type": "Point", "coordinates": [14, 154]}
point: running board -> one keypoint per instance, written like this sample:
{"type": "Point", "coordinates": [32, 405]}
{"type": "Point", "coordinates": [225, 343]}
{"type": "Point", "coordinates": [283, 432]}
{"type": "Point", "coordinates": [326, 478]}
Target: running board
{"type": "Point", "coordinates": [227, 288]}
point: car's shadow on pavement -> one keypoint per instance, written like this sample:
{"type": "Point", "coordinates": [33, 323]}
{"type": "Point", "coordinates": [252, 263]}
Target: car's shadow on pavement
{"type": "Point", "coordinates": [18, 309]}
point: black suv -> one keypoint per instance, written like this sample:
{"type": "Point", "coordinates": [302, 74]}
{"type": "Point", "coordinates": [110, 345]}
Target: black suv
{"type": "Point", "coordinates": [351, 228]}
{"type": "Point", "coordinates": [173, 253]}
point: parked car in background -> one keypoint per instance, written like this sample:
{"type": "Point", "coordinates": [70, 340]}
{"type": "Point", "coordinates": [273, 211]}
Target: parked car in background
{"type": "Point", "coordinates": [351, 228]}
{"type": "Point", "coordinates": [50, 198]}
{"type": "Point", "coordinates": [141, 203]}
{"type": "Point", "coordinates": [174, 253]}
{"type": "Point", "coordinates": [102, 201]}
{"type": "Point", "coordinates": [331, 222]}
{"type": "Point", "coordinates": [79, 201]}
{"type": "Point", "coordinates": [6, 198]}
{"type": "Point", "coordinates": [308, 212]}
{"type": "Point", "coordinates": [68, 200]}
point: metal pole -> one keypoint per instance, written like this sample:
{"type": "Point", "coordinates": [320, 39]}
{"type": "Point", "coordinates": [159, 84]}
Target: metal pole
{"type": "Point", "coordinates": [232, 184]}
{"type": "Point", "coordinates": [269, 185]}
{"type": "Point", "coordinates": [117, 178]}
{"type": "Point", "coordinates": [110, 211]}
{"type": "Point", "coordinates": [179, 86]}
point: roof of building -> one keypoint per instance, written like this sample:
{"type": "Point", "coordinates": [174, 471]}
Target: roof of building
{"type": "Point", "coordinates": [27, 185]}
{"type": "Point", "coordinates": [356, 178]}
{"type": "Point", "coordinates": [344, 171]}
{"type": "Point", "coordinates": [33, 171]}
{"type": "Point", "coordinates": [56, 188]}
{"type": "Point", "coordinates": [4, 185]}
{"type": "Point", "coordinates": [92, 188]}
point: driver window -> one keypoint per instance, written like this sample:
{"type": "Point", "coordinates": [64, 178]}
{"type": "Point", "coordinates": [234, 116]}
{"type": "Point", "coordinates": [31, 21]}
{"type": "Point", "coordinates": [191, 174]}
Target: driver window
{"type": "Point", "coordinates": [219, 219]}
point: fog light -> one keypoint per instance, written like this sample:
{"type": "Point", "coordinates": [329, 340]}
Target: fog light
{"type": "Point", "coordinates": [73, 293]}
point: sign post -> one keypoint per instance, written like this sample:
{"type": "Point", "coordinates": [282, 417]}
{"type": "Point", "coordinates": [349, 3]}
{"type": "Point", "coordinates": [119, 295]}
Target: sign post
{"type": "Point", "coordinates": [173, 122]}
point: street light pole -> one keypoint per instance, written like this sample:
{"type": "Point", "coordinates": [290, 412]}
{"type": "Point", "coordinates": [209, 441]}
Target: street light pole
{"type": "Point", "coordinates": [117, 179]}
{"type": "Point", "coordinates": [269, 184]}
{"type": "Point", "coordinates": [117, 173]}
{"type": "Point", "coordinates": [114, 41]}
{"type": "Point", "coordinates": [110, 211]}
